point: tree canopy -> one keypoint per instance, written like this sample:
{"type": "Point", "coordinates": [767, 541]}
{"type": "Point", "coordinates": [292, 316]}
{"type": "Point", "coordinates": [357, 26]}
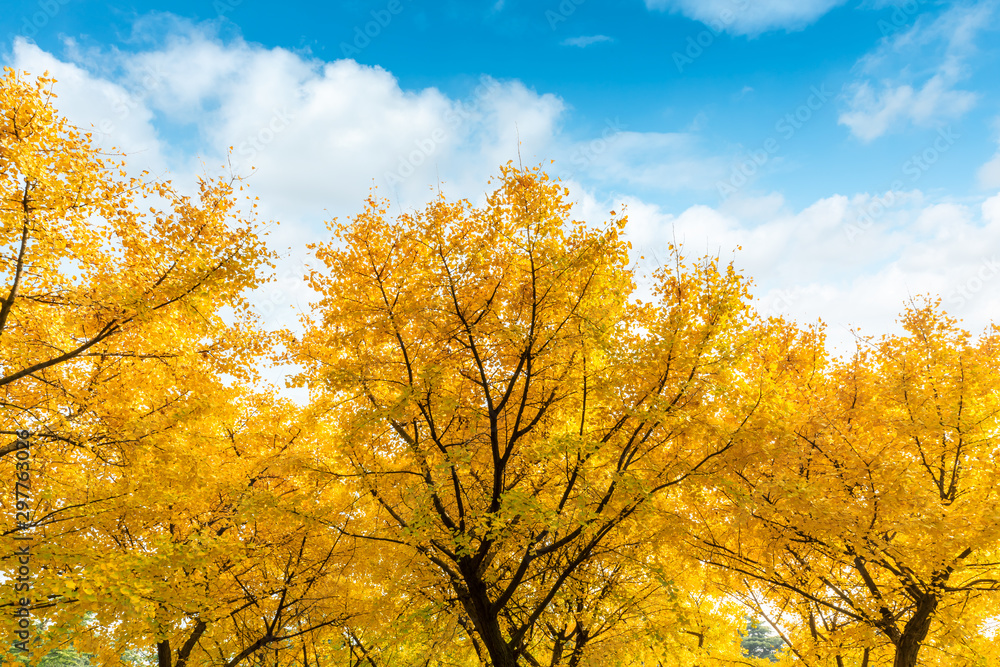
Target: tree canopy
{"type": "Point", "coordinates": [506, 458]}
{"type": "Point", "coordinates": [509, 410]}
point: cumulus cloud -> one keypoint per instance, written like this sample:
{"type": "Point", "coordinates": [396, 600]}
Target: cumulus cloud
{"type": "Point", "coordinates": [116, 113]}
{"type": "Point", "coordinates": [834, 260]}
{"type": "Point", "coordinates": [320, 134]}
{"type": "Point", "coordinates": [749, 17]}
{"type": "Point", "coordinates": [664, 162]}
{"type": "Point", "coordinates": [989, 174]}
{"type": "Point", "coordinates": [314, 137]}
{"type": "Point", "coordinates": [914, 76]}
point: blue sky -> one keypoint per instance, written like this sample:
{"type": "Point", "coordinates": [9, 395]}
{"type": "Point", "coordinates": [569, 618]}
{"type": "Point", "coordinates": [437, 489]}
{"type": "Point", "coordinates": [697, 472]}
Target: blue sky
{"type": "Point", "coordinates": [849, 148]}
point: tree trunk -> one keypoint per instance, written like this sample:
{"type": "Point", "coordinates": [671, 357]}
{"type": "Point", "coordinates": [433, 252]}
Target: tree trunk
{"type": "Point", "coordinates": [581, 640]}
{"type": "Point", "coordinates": [557, 649]}
{"type": "Point", "coordinates": [500, 651]}
{"type": "Point", "coordinates": [163, 653]}
{"type": "Point", "coordinates": [185, 652]}
{"type": "Point", "coordinates": [915, 632]}
{"type": "Point", "coordinates": [478, 606]}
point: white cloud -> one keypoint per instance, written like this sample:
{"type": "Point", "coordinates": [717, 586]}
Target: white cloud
{"type": "Point", "coordinates": [320, 134]}
{"type": "Point", "coordinates": [991, 210]}
{"type": "Point", "coordinates": [989, 174]}
{"type": "Point", "coordinates": [586, 40]}
{"type": "Point", "coordinates": [116, 113]}
{"type": "Point", "coordinates": [913, 76]}
{"type": "Point", "coordinates": [872, 114]}
{"type": "Point", "coordinates": [657, 161]}
{"type": "Point", "coordinates": [749, 17]}
{"type": "Point", "coordinates": [822, 263]}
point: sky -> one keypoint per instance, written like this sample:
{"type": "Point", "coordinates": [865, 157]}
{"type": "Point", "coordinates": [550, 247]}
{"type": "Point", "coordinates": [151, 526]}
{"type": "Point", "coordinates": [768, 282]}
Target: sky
{"type": "Point", "coordinates": [845, 155]}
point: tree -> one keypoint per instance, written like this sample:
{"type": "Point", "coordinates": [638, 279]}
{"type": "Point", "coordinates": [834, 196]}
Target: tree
{"type": "Point", "coordinates": [760, 642]}
{"type": "Point", "coordinates": [502, 452]}
{"type": "Point", "coordinates": [93, 284]}
{"type": "Point", "coordinates": [61, 658]}
{"type": "Point", "coordinates": [161, 497]}
{"type": "Point", "coordinates": [215, 563]}
{"type": "Point", "coordinates": [870, 522]}
{"type": "Point", "coordinates": [506, 407]}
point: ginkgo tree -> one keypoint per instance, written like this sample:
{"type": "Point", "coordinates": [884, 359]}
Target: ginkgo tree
{"type": "Point", "coordinates": [870, 527]}
{"type": "Point", "coordinates": [161, 513]}
{"type": "Point", "coordinates": [208, 556]}
{"type": "Point", "coordinates": [508, 407]}
{"type": "Point", "coordinates": [93, 283]}
{"type": "Point", "coordinates": [507, 458]}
